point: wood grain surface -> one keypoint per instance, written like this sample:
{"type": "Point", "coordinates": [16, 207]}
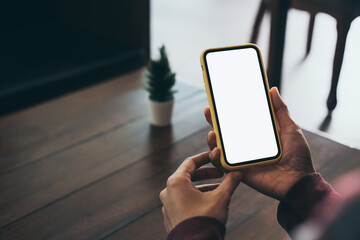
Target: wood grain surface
{"type": "Point", "coordinates": [90, 166]}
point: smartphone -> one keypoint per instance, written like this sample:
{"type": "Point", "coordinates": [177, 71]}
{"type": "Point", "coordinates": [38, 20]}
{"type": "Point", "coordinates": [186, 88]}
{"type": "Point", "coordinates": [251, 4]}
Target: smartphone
{"type": "Point", "coordinates": [241, 109]}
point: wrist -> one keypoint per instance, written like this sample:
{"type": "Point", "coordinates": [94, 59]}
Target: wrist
{"type": "Point", "coordinates": [297, 177]}
{"type": "Point", "coordinates": [199, 227]}
{"type": "Point", "coordinates": [307, 192]}
{"type": "Point", "coordinates": [288, 182]}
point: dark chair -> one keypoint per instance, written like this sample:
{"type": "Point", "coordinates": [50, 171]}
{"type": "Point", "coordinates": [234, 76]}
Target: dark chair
{"type": "Point", "coordinates": [344, 11]}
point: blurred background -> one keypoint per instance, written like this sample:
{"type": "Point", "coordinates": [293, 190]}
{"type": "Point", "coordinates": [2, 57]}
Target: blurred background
{"type": "Point", "coordinates": [79, 155]}
{"type": "Point", "coordinates": [188, 27]}
{"type": "Point", "coordinates": [49, 48]}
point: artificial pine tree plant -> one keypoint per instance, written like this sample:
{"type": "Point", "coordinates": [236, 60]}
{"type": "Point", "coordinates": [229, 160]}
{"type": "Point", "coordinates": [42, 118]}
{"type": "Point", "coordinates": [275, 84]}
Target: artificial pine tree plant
{"type": "Point", "coordinates": [160, 78]}
{"type": "Point", "coordinates": [160, 82]}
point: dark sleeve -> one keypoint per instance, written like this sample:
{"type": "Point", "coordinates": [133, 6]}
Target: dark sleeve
{"type": "Point", "coordinates": [300, 203]}
{"type": "Point", "coordinates": [197, 228]}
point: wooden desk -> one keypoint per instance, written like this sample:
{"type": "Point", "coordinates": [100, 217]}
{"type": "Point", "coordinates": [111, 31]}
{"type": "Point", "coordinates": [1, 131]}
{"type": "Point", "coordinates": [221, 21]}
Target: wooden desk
{"type": "Point", "coordinates": [89, 166]}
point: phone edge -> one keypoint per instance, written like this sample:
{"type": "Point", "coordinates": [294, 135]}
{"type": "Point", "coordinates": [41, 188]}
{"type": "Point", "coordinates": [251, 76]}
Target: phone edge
{"type": "Point", "coordinates": [213, 117]}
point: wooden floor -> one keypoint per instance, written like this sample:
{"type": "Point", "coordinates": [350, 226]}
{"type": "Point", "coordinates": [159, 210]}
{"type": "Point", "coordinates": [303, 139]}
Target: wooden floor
{"type": "Point", "coordinates": [187, 27]}
{"type": "Point", "coordinates": [89, 166]}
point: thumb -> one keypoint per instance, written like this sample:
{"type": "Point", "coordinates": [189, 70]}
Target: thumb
{"type": "Point", "coordinates": [228, 185]}
{"type": "Point", "coordinates": [281, 111]}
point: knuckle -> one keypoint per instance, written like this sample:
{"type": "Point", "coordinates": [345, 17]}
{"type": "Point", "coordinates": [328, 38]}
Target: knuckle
{"type": "Point", "coordinates": [294, 127]}
{"type": "Point", "coordinates": [297, 127]}
{"type": "Point", "coordinates": [283, 108]}
{"type": "Point", "coordinates": [172, 182]}
{"type": "Point", "coordinates": [162, 195]}
{"type": "Point", "coordinates": [175, 181]}
{"type": "Point", "coordinates": [188, 159]}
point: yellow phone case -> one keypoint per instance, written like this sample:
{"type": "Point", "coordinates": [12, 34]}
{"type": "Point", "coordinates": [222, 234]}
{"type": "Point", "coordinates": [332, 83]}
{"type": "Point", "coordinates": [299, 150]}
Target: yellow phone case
{"type": "Point", "coordinates": [213, 117]}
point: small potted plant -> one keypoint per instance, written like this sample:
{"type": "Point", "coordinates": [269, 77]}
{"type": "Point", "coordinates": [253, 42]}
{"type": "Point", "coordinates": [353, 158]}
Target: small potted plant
{"type": "Point", "coordinates": [160, 81]}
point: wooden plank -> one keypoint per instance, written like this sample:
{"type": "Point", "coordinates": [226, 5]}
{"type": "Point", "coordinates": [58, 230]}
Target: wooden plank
{"type": "Point", "coordinates": [108, 183]}
{"type": "Point", "coordinates": [33, 186]}
{"type": "Point", "coordinates": [332, 160]}
{"type": "Point", "coordinates": [249, 209]}
{"type": "Point", "coordinates": [246, 205]}
{"type": "Point", "coordinates": [262, 225]}
{"type": "Point", "coordinates": [244, 211]}
{"type": "Point", "coordinates": [153, 228]}
{"type": "Point", "coordinates": [52, 127]}
{"type": "Point", "coordinates": [109, 204]}
{"type": "Point", "coordinates": [113, 203]}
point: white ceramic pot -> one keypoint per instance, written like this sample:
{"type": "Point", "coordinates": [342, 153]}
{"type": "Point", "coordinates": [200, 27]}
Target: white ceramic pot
{"type": "Point", "coordinates": [161, 112]}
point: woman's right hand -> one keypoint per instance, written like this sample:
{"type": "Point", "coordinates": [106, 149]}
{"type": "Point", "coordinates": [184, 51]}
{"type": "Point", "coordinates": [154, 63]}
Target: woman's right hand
{"type": "Point", "coordinates": [274, 180]}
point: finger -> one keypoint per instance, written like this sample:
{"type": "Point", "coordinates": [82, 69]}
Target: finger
{"type": "Point", "coordinates": [206, 173]}
{"type": "Point", "coordinates": [207, 187]}
{"type": "Point", "coordinates": [207, 114]}
{"type": "Point", "coordinates": [211, 140]}
{"type": "Point", "coordinates": [214, 157]}
{"type": "Point", "coordinates": [281, 111]}
{"type": "Point", "coordinates": [229, 184]}
{"type": "Point", "coordinates": [190, 164]}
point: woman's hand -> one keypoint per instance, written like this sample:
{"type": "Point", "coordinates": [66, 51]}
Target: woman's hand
{"type": "Point", "coordinates": [276, 179]}
{"type": "Point", "coordinates": [182, 200]}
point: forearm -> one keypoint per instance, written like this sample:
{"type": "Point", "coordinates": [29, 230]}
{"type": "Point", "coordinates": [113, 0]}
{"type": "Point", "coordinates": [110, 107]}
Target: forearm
{"type": "Point", "coordinates": [302, 200]}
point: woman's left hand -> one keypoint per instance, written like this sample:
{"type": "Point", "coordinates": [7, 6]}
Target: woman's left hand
{"type": "Point", "coordinates": [182, 200]}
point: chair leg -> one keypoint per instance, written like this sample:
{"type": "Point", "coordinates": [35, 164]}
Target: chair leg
{"type": "Point", "coordinates": [343, 26]}
{"type": "Point", "coordinates": [310, 32]}
{"type": "Point", "coordinates": [259, 17]}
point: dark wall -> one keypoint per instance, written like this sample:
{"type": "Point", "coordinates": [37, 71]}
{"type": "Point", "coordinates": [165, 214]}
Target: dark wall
{"type": "Point", "coordinates": [20, 14]}
{"type": "Point", "coordinates": [51, 47]}
{"type": "Point", "coordinates": [116, 19]}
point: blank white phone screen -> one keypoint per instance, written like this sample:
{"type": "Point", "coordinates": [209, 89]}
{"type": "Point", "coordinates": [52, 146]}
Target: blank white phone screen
{"type": "Point", "coordinates": [243, 113]}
